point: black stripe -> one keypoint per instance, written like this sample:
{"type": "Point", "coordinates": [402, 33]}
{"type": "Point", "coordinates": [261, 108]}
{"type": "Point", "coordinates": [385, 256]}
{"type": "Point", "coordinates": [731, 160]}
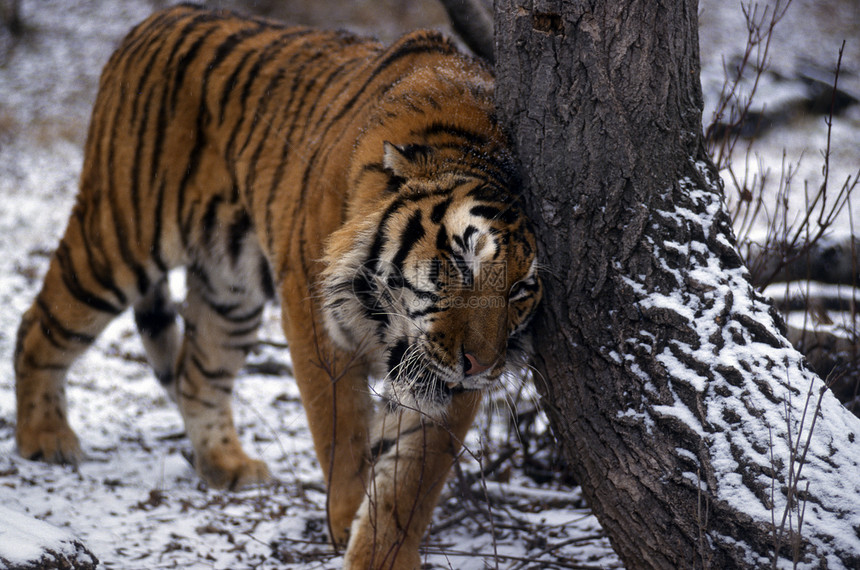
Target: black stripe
{"type": "Point", "coordinates": [473, 138]}
{"type": "Point", "coordinates": [155, 167]}
{"type": "Point", "coordinates": [439, 210]}
{"type": "Point", "coordinates": [375, 167]}
{"type": "Point", "coordinates": [155, 250]}
{"type": "Point", "coordinates": [260, 109]}
{"type": "Point", "coordinates": [251, 177]}
{"type": "Point", "coordinates": [236, 235]}
{"type": "Point", "coordinates": [144, 75]}
{"type": "Point", "coordinates": [49, 335]}
{"type": "Point", "coordinates": [274, 187]}
{"type": "Point", "coordinates": [490, 163]}
{"type": "Point", "coordinates": [194, 398]}
{"type": "Point", "coordinates": [177, 63]}
{"type": "Point", "coordinates": [228, 47]}
{"type": "Point", "coordinates": [192, 167]}
{"type": "Point", "coordinates": [53, 325]}
{"type": "Point", "coordinates": [489, 193]}
{"type": "Point", "coordinates": [244, 348]}
{"type": "Point", "coordinates": [424, 312]}
{"type": "Point", "coordinates": [250, 329]}
{"type": "Point", "coordinates": [70, 279]}
{"type": "Point", "coordinates": [311, 132]}
{"type": "Point", "coordinates": [333, 73]}
{"type": "Point", "coordinates": [465, 271]}
{"type": "Point", "coordinates": [31, 363]}
{"type": "Point", "coordinates": [189, 56]}
{"type": "Point", "coordinates": [224, 310]}
{"type": "Point", "coordinates": [285, 130]}
{"type": "Point", "coordinates": [209, 220]}
{"type": "Point", "coordinates": [192, 164]}
{"type": "Point", "coordinates": [507, 215]}
{"type": "Point", "coordinates": [381, 233]}
{"type": "Point", "coordinates": [143, 281]}
{"type": "Point", "coordinates": [365, 291]}
{"type": "Point", "coordinates": [136, 173]}
{"type": "Point", "coordinates": [198, 272]}
{"type": "Point", "coordinates": [147, 33]}
{"type": "Point", "coordinates": [393, 182]}
{"type": "Point", "coordinates": [265, 55]}
{"type": "Point", "coordinates": [442, 243]}
{"type": "Point", "coordinates": [425, 44]}
{"type": "Point", "coordinates": [266, 280]}
{"type": "Point", "coordinates": [429, 43]}
{"type": "Point", "coordinates": [383, 446]}
{"type": "Point", "coordinates": [413, 232]}
{"type": "Point", "coordinates": [155, 321]}
{"type": "Point", "coordinates": [230, 84]}
{"type": "Point", "coordinates": [102, 273]}
{"type": "Point", "coordinates": [218, 374]}
{"type": "Point", "coordinates": [396, 354]}
{"type": "Point", "coordinates": [467, 235]}
{"type": "Point", "coordinates": [120, 220]}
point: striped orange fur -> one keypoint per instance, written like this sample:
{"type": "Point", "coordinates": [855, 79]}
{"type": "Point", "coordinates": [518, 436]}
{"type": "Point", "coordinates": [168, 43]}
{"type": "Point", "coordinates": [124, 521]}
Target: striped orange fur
{"type": "Point", "coordinates": [368, 188]}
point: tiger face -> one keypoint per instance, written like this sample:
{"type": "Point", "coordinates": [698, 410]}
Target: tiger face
{"type": "Point", "coordinates": [437, 287]}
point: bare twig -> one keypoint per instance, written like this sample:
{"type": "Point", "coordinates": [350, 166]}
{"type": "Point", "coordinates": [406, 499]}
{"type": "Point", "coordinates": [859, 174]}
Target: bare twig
{"type": "Point", "coordinates": [542, 564]}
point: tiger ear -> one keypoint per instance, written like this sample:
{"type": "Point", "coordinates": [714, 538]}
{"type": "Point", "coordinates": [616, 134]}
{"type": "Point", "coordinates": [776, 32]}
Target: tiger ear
{"type": "Point", "coordinates": [406, 161]}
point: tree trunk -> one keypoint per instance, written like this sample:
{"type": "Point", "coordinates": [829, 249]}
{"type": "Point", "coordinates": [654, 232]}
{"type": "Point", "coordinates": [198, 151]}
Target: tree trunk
{"type": "Point", "coordinates": [27, 543]}
{"type": "Point", "coordinates": [698, 434]}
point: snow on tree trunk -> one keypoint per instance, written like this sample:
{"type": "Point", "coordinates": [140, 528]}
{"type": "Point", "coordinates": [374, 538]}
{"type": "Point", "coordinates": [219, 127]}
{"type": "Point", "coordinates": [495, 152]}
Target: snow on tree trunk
{"type": "Point", "coordinates": [699, 436]}
{"type": "Point", "coordinates": [27, 543]}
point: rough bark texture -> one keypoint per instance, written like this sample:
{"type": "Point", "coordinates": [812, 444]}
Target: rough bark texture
{"type": "Point", "coordinates": [681, 407]}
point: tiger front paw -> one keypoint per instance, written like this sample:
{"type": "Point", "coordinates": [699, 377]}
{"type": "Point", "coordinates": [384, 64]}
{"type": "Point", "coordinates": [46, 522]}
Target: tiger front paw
{"type": "Point", "coordinates": [54, 444]}
{"type": "Point", "coordinates": [232, 471]}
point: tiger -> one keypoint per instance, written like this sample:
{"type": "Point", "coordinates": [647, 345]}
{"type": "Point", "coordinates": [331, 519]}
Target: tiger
{"type": "Point", "coordinates": [368, 191]}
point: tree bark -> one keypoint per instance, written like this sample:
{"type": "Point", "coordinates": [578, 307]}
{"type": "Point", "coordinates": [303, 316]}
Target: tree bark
{"type": "Point", "coordinates": [699, 436]}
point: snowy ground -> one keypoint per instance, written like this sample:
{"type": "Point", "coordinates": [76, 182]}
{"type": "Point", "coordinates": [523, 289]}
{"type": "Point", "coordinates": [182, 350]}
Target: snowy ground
{"type": "Point", "coordinates": [135, 501]}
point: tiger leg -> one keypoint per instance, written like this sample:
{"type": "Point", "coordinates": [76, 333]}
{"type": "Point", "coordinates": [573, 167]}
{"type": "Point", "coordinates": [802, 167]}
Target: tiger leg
{"type": "Point", "coordinates": [413, 456]}
{"type": "Point", "coordinates": [155, 316]}
{"type": "Point", "coordinates": [337, 403]}
{"type": "Point", "coordinates": [221, 322]}
{"type": "Point", "coordinates": [72, 308]}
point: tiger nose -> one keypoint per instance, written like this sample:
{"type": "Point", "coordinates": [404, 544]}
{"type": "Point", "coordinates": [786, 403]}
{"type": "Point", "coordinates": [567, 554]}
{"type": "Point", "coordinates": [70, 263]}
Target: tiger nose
{"type": "Point", "coordinates": [473, 365]}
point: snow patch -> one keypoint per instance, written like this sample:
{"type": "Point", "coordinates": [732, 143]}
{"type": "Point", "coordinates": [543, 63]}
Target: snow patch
{"type": "Point", "coordinates": [25, 539]}
{"type": "Point", "coordinates": [753, 396]}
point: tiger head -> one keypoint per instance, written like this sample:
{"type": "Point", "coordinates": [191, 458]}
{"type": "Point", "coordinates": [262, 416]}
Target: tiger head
{"type": "Point", "coordinates": [437, 284]}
